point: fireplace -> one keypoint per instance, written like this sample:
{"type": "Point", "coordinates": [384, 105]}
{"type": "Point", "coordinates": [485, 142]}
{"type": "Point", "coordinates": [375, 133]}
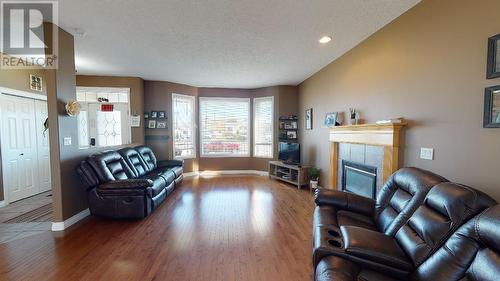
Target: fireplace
{"type": "Point", "coordinates": [359, 179]}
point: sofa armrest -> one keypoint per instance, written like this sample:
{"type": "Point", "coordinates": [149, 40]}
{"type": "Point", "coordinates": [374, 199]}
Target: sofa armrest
{"type": "Point", "coordinates": [121, 188]}
{"type": "Point", "coordinates": [170, 163]}
{"type": "Point", "coordinates": [345, 201]}
{"type": "Point", "coordinates": [374, 246]}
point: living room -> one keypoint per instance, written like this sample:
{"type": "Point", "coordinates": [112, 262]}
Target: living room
{"type": "Point", "coordinates": [220, 140]}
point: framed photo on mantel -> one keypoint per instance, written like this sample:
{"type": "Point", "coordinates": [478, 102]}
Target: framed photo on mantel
{"type": "Point", "coordinates": [492, 107]}
{"type": "Point", "coordinates": [493, 67]}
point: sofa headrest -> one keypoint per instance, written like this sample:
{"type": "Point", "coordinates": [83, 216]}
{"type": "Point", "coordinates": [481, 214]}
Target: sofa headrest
{"type": "Point", "coordinates": [134, 161]}
{"type": "Point", "coordinates": [110, 165]}
{"type": "Point", "coordinates": [87, 175]}
{"type": "Point", "coordinates": [488, 228]}
{"type": "Point", "coordinates": [457, 201]}
{"type": "Point", "coordinates": [148, 156]}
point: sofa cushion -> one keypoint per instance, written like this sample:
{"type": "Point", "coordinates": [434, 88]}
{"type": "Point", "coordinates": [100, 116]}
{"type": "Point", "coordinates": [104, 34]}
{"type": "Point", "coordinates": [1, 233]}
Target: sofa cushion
{"type": "Point", "coordinates": [159, 183]}
{"type": "Point", "coordinates": [400, 196]}
{"type": "Point", "coordinates": [177, 170]}
{"type": "Point", "coordinates": [165, 173]}
{"type": "Point", "coordinates": [109, 166]}
{"type": "Point", "coordinates": [445, 208]}
{"type": "Point", "coordinates": [346, 218]}
{"type": "Point", "coordinates": [134, 161]}
{"type": "Point", "coordinates": [471, 253]}
{"type": "Point", "coordinates": [148, 156]}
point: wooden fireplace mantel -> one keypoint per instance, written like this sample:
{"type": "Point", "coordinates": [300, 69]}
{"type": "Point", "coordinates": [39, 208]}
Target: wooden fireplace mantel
{"type": "Point", "coordinates": [386, 135]}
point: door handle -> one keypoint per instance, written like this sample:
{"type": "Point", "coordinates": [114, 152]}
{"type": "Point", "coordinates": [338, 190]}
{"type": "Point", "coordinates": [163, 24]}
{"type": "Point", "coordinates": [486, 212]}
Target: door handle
{"type": "Point", "coordinates": [21, 154]}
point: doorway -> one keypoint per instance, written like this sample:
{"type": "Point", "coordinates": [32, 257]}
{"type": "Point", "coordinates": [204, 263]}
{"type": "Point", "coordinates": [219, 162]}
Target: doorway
{"type": "Point", "coordinates": [25, 199]}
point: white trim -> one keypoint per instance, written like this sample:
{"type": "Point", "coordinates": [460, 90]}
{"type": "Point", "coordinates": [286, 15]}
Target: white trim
{"type": "Point", "coordinates": [3, 203]}
{"type": "Point", "coordinates": [225, 172]}
{"type": "Point", "coordinates": [60, 226]}
{"type": "Point", "coordinates": [23, 94]}
{"type": "Point", "coordinates": [254, 144]}
{"type": "Point", "coordinates": [193, 124]}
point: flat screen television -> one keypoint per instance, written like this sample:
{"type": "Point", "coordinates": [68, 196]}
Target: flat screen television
{"type": "Point", "coordinates": [289, 152]}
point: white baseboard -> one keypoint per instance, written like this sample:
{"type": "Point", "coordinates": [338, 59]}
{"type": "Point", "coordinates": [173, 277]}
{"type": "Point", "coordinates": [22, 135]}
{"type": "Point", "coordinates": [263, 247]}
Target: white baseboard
{"type": "Point", "coordinates": [60, 226]}
{"type": "Point", "coordinates": [3, 204]}
{"type": "Point", "coordinates": [225, 172]}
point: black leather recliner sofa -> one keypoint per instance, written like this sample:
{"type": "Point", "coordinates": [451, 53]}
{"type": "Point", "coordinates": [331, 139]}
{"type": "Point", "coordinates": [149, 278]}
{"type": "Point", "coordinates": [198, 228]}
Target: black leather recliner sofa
{"type": "Point", "coordinates": [129, 183]}
{"type": "Point", "coordinates": [406, 233]}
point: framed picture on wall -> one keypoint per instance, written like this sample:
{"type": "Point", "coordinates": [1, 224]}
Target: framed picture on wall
{"type": "Point", "coordinates": [35, 83]}
{"type": "Point", "coordinates": [492, 107]}
{"type": "Point", "coordinates": [152, 124]}
{"type": "Point", "coordinates": [161, 114]}
{"type": "Point", "coordinates": [154, 114]}
{"type": "Point", "coordinates": [309, 119]}
{"type": "Point", "coordinates": [493, 67]}
{"type": "Point", "coordinates": [146, 115]}
{"type": "Point", "coordinates": [161, 125]}
{"type": "Point", "coordinates": [331, 119]}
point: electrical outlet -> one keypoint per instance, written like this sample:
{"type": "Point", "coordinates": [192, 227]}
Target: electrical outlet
{"type": "Point", "coordinates": [67, 141]}
{"type": "Point", "coordinates": [427, 153]}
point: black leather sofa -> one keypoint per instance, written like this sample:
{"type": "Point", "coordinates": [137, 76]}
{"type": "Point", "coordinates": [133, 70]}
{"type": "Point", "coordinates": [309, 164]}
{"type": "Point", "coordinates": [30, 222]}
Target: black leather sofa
{"type": "Point", "coordinates": [129, 183]}
{"type": "Point", "coordinates": [418, 221]}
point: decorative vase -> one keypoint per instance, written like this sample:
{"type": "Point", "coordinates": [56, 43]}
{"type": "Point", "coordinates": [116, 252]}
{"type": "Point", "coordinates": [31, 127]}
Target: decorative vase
{"type": "Point", "coordinates": [313, 184]}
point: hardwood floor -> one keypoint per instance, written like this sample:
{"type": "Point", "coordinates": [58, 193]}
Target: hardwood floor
{"type": "Point", "coordinates": [221, 228]}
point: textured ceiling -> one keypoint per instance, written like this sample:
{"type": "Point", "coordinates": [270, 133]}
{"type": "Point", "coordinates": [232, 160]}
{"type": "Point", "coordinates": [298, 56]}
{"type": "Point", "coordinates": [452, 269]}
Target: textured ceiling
{"type": "Point", "coordinates": [220, 43]}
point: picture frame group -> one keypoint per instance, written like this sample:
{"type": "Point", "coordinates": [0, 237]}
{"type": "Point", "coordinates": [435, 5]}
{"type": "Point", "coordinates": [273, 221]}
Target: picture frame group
{"type": "Point", "coordinates": [155, 115]}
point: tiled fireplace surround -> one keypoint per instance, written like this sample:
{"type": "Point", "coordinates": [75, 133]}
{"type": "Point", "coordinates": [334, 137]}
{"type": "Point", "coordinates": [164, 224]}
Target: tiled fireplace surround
{"type": "Point", "coordinates": [363, 154]}
{"type": "Point", "coordinates": [368, 144]}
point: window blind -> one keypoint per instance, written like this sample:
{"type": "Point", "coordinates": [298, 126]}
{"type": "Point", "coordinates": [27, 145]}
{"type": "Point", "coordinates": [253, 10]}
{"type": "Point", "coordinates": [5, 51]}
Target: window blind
{"type": "Point", "coordinates": [225, 127]}
{"type": "Point", "coordinates": [183, 120]}
{"type": "Point", "coordinates": [263, 127]}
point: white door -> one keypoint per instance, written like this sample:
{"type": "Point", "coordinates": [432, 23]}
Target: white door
{"type": "Point", "coordinates": [107, 127]}
{"type": "Point", "coordinates": [19, 148]}
{"type": "Point", "coordinates": [42, 139]}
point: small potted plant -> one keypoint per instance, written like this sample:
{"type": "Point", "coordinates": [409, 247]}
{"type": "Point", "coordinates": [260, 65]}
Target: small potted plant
{"type": "Point", "coordinates": [314, 177]}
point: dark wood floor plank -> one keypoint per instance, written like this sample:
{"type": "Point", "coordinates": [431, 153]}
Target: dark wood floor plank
{"type": "Point", "coordinates": [219, 228]}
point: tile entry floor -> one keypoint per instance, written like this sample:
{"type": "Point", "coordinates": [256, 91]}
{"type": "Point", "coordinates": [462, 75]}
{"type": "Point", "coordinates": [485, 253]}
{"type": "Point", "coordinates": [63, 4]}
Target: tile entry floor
{"type": "Point", "coordinates": [14, 231]}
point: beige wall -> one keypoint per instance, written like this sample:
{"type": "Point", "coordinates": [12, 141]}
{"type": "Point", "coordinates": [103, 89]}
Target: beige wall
{"type": "Point", "coordinates": [158, 96]}
{"type": "Point", "coordinates": [136, 86]}
{"type": "Point", "coordinates": [18, 79]}
{"type": "Point", "coordinates": [428, 66]}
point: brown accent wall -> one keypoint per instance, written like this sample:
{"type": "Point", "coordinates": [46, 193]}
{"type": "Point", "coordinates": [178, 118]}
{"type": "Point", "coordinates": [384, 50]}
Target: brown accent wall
{"type": "Point", "coordinates": [428, 66]}
{"type": "Point", "coordinates": [158, 96]}
{"type": "Point", "coordinates": [136, 86]}
{"type": "Point", "coordinates": [68, 192]}
{"type": "Point", "coordinates": [18, 79]}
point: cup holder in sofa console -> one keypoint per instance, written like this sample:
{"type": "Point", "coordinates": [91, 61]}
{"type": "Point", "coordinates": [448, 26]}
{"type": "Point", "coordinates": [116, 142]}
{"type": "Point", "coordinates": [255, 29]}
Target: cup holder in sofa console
{"type": "Point", "coordinates": [335, 243]}
{"type": "Point", "coordinates": [333, 233]}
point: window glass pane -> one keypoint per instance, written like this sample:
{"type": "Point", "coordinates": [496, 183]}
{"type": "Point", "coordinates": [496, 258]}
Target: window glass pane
{"type": "Point", "coordinates": [183, 126]}
{"type": "Point", "coordinates": [224, 127]}
{"type": "Point", "coordinates": [109, 128]}
{"type": "Point", "coordinates": [83, 129]}
{"type": "Point", "coordinates": [263, 127]}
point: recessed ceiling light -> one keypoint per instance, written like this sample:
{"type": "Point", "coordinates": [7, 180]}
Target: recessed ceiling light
{"type": "Point", "coordinates": [325, 39]}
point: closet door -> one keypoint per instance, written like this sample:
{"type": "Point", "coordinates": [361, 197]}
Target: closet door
{"type": "Point", "coordinates": [42, 139]}
{"type": "Point", "coordinates": [19, 147]}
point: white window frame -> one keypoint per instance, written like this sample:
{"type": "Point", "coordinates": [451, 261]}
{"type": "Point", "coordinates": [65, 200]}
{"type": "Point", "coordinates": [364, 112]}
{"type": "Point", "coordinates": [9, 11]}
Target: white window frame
{"type": "Point", "coordinates": [202, 155]}
{"type": "Point", "coordinates": [255, 127]}
{"type": "Point", "coordinates": [193, 124]}
{"type": "Point", "coordinates": [83, 96]}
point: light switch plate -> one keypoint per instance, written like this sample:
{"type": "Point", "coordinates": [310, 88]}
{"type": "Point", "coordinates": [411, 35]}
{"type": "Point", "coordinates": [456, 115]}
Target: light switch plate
{"type": "Point", "coordinates": [427, 153]}
{"type": "Point", "coordinates": [67, 141]}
